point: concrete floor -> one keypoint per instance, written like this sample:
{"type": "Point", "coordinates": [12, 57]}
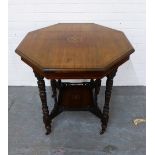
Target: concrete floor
{"type": "Point", "coordinates": [76, 133]}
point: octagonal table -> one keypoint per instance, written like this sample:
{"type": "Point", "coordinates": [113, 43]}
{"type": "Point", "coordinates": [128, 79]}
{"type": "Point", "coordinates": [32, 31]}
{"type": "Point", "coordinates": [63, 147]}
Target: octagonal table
{"type": "Point", "coordinates": [75, 51]}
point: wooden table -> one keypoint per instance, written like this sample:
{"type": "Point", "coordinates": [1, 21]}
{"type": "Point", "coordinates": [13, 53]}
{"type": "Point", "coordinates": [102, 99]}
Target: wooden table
{"type": "Point", "coordinates": [75, 51]}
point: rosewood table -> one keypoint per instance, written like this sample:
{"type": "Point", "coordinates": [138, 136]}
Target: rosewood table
{"type": "Point", "coordinates": [75, 51]}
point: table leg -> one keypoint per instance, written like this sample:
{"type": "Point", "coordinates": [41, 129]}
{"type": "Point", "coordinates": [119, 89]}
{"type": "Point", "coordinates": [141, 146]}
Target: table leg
{"type": "Point", "coordinates": [42, 93]}
{"type": "Point", "coordinates": [97, 88]}
{"type": "Point", "coordinates": [56, 110]}
{"type": "Point", "coordinates": [109, 85]}
{"type": "Point", "coordinates": [54, 90]}
{"type": "Point", "coordinates": [95, 109]}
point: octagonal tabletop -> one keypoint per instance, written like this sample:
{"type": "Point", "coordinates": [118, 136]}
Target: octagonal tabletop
{"type": "Point", "coordinates": [74, 47]}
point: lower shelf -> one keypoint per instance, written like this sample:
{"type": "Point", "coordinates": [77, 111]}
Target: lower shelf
{"type": "Point", "coordinates": [75, 97]}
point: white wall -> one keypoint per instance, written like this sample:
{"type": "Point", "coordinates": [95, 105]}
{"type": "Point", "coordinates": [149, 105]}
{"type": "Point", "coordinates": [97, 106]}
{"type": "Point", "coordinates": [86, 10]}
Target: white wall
{"type": "Point", "coordinates": [124, 15]}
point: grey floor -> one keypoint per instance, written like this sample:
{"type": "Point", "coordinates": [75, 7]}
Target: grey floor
{"type": "Point", "coordinates": [76, 133]}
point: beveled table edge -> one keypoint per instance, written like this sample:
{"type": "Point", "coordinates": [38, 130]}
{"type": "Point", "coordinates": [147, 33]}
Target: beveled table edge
{"type": "Point", "coordinates": [31, 63]}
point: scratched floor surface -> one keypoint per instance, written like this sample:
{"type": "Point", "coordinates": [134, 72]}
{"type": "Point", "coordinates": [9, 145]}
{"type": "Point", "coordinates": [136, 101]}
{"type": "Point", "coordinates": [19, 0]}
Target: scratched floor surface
{"type": "Point", "coordinates": [76, 133]}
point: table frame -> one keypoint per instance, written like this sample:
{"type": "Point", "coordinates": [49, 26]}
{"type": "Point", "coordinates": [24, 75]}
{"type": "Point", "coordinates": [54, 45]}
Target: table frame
{"type": "Point", "coordinates": [94, 84]}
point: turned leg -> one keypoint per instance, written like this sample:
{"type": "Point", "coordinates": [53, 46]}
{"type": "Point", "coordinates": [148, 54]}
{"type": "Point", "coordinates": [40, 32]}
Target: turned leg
{"type": "Point", "coordinates": [109, 84]}
{"type": "Point", "coordinates": [54, 90]}
{"type": "Point", "coordinates": [97, 88]}
{"type": "Point", "coordinates": [42, 93]}
{"type": "Point", "coordinates": [95, 109]}
{"type": "Point", "coordinates": [56, 110]}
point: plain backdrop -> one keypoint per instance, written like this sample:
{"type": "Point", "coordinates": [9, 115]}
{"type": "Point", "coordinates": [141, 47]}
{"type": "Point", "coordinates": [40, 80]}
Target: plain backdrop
{"type": "Point", "coordinates": [125, 15]}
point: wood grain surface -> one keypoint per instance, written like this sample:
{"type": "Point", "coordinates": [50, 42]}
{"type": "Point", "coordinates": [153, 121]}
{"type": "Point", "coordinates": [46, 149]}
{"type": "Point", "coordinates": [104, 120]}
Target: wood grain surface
{"type": "Point", "coordinates": [72, 47]}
